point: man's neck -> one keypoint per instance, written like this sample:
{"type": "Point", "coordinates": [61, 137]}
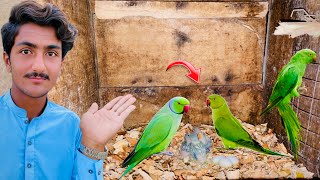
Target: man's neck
{"type": "Point", "coordinates": [33, 106]}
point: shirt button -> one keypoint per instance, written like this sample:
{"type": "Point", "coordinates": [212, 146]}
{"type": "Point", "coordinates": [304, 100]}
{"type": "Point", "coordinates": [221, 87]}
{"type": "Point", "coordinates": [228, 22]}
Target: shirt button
{"type": "Point", "coordinates": [29, 142]}
{"type": "Point", "coordinates": [99, 172]}
{"type": "Point", "coordinates": [26, 121]}
{"type": "Point", "coordinates": [29, 165]}
{"type": "Point", "coordinates": [90, 171]}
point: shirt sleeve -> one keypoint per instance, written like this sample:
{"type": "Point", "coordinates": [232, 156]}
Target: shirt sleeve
{"type": "Point", "coordinates": [86, 168]}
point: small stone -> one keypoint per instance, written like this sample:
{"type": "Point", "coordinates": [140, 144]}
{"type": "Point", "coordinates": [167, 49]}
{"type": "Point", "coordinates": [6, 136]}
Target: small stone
{"type": "Point", "coordinates": [233, 174]}
{"type": "Point", "coordinates": [220, 175]}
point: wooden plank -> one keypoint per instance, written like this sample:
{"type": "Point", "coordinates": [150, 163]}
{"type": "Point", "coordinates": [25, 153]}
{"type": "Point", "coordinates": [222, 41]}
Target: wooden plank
{"type": "Point", "coordinates": [177, 10]}
{"type": "Point", "coordinates": [136, 51]}
{"type": "Point", "coordinates": [244, 102]}
{"type": "Point", "coordinates": [76, 88]}
{"type": "Point", "coordinates": [5, 9]}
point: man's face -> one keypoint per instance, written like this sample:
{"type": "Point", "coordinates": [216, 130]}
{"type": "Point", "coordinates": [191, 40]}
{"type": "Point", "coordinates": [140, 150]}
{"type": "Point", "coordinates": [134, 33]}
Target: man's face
{"type": "Point", "coordinates": [35, 60]}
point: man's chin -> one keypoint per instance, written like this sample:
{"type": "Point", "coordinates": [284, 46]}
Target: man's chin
{"type": "Point", "coordinates": [39, 94]}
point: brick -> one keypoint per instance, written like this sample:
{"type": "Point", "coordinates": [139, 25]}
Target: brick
{"type": "Point", "coordinates": [311, 71]}
{"type": "Point", "coordinates": [309, 85]}
{"type": "Point", "coordinates": [316, 107]}
{"type": "Point", "coordinates": [312, 140]}
{"type": "Point", "coordinates": [311, 167]}
{"type": "Point", "coordinates": [301, 160]}
{"type": "Point", "coordinates": [311, 154]}
{"type": "Point", "coordinates": [302, 153]}
{"type": "Point", "coordinates": [317, 92]}
{"type": "Point", "coordinates": [303, 133]}
{"type": "Point", "coordinates": [315, 125]}
{"type": "Point", "coordinates": [304, 118]}
{"type": "Point", "coordinates": [304, 103]}
{"type": "Point", "coordinates": [294, 102]}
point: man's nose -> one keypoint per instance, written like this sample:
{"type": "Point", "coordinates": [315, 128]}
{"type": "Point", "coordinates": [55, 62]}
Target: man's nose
{"type": "Point", "coordinates": [38, 64]}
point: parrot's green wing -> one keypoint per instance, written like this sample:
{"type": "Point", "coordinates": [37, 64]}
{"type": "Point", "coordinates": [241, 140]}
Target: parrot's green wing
{"type": "Point", "coordinates": [155, 133]}
{"type": "Point", "coordinates": [232, 133]}
{"type": "Point", "coordinates": [286, 82]}
{"type": "Point", "coordinates": [228, 129]}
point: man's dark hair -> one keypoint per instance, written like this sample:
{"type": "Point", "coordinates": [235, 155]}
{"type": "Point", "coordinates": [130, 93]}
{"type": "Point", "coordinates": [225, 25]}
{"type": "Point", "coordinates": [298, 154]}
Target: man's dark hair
{"type": "Point", "coordinates": [47, 15]}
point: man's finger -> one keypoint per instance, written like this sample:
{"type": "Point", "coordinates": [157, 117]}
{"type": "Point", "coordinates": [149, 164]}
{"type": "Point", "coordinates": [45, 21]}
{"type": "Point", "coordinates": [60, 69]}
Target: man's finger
{"type": "Point", "coordinates": [125, 105]}
{"type": "Point", "coordinates": [127, 111]}
{"type": "Point", "coordinates": [110, 104]}
{"type": "Point", "coordinates": [93, 108]}
{"type": "Point", "coordinates": [121, 102]}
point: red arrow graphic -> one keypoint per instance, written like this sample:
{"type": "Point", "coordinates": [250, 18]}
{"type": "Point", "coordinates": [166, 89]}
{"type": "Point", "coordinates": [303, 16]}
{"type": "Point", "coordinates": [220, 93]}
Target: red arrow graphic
{"type": "Point", "coordinates": [194, 74]}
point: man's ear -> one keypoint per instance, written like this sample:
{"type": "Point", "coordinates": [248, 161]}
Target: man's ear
{"type": "Point", "coordinates": [7, 62]}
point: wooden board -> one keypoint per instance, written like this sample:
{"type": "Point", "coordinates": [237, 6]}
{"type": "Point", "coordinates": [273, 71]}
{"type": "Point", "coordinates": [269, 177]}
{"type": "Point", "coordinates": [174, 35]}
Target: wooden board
{"type": "Point", "coordinates": [5, 9]}
{"type": "Point", "coordinates": [135, 50]}
{"type": "Point", "coordinates": [244, 102]}
{"type": "Point", "coordinates": [76, 88]}
{"type": "Point", "coordinates": [180, 9]}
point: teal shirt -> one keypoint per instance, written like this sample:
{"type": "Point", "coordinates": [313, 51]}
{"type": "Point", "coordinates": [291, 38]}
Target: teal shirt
{"type": "Point", "coordinates": [44, 148]}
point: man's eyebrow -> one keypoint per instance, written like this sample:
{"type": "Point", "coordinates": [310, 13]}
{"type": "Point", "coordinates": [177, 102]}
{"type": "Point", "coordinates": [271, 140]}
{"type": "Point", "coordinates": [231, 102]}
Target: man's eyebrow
{"type": "Point", "coordinates": [27, 44]}
{"type": "Point", "coordinates": [53, 47]}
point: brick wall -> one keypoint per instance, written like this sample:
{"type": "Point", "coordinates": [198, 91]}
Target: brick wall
{"type": "Point", "coordinates": [307, 107]}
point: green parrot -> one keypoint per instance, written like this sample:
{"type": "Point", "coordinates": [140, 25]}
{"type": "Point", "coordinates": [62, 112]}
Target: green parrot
{"type": "Point", "coordinates": [286, 87]}
{"type": "Point", "coordinates": [229, 129]}
{"type": "Point", "coordinates": [158, 134]}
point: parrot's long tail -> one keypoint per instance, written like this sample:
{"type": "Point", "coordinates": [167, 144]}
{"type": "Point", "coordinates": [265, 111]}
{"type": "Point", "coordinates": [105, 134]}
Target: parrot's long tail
{"type": "Point", "coordinates": [292, 126]}
{"type": "Point", "coordinates": [271, 105]}
{"type": "Point", "coordinates": [133, 159]}
{"type": "Point", "coordinates": [130, 167]}
{"type": "Point", "coordinates": [267, 151]}
{"type": "Point", "coordinates": [256, 146]}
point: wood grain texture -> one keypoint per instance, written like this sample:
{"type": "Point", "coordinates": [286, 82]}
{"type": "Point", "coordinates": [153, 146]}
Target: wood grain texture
{"type": "Point", "coordinates": [5, 8]}
{"type": "Point", "coordinates": [244, 101]}
{"type": "Point", "coordinates": [179, 10]}
{"type": "Point", "coordinates": [279, 51]}
{"type": "Point", "coordinates": [77, 86]}
{"type": "Point", "coordinates": [229, 50]}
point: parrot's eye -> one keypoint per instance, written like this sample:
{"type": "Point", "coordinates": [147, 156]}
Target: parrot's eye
{"type": "Point", "coordinates": [179, 103]}
{"type": "Point", "coordinates": [310, 54]}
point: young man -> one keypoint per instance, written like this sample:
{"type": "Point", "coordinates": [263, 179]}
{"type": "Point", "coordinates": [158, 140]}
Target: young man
{"type": "Point", "coordinates": [39, 139]}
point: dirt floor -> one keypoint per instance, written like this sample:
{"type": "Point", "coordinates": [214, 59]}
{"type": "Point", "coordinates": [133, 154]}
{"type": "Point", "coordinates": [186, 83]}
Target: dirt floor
{"type": "Point", "coordinates": [251, 164]}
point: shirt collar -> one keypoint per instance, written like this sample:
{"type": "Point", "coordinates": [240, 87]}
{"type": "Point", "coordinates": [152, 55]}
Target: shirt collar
{"type": "Point", "coordinates": [17, 110]}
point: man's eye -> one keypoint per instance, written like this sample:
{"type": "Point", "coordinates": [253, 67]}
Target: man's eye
{"type": "Point", "coordinates": [52, 54]}
{"type": "Point", "coordinates": [26, 51]}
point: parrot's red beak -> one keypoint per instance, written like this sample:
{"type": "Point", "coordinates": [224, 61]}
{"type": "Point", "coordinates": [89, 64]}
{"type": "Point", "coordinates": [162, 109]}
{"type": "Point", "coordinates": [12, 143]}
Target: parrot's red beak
{"type": "Point", "coordinates": [186, 108]}
{"type": "Point", "coordinates": [208, 102]}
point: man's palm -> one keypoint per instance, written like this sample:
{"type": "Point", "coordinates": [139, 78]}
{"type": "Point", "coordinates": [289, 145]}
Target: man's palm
{"type": "Point", "coordinates": [99, 126]}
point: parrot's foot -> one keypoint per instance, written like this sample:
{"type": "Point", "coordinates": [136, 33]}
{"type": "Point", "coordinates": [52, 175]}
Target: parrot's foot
{"type": "Point", "coordinates": [302, 89]}
{"type": "Point", "coordinates": [169, 153]}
